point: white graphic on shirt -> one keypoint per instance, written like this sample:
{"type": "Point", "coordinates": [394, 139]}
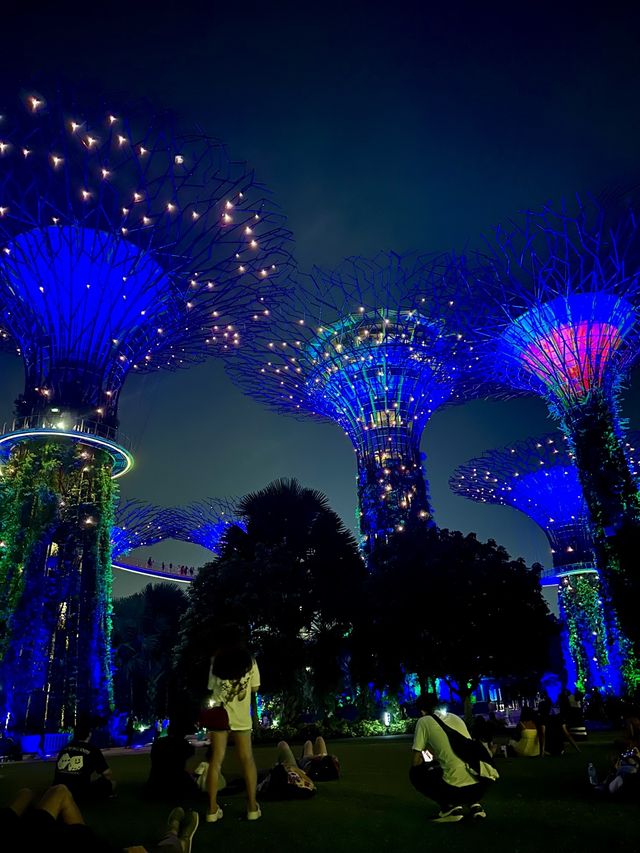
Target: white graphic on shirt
{"type": "Point", "coordinates": [71, 763]}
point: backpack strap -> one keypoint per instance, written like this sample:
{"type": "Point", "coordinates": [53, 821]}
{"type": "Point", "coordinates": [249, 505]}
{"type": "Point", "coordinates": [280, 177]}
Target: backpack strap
{"type": "Point", "coordinates": [470, 751]}
{"type": "Point", "coordinates": [446, 729]}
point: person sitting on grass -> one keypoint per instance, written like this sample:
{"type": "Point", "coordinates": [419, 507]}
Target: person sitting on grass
{"type": "Point", "coordinates": [530, 742]}
{"type": "Point", "coordinates": [439, 773]}
{"type": "Point", "coordinates": [79, 762]}
{"type": "Point", "coordinates": [623, 782]}
{"type": "Point", "coordinates": [556, 733]}
{"type": "Point", "coordinates": [168, 777]}
{"type": "Point", "coordinates": [484, 730]}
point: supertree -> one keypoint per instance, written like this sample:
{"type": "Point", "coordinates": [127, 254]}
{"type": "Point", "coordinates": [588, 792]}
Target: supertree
{"type": "Point", "coordinates": [538, 476]}
{"type": "Point", "coordinates": [203, 522]}
{"type": "Point", "coordinates": [375, 346]}
{"type": "Point", "coordinates": [559, 291]}
{"type": "Point", "coordinates": [135, 525]}
{"type": "Point", "coordinates": [141, 525]}
{"type": "Point", "coordinates": [124, 247]}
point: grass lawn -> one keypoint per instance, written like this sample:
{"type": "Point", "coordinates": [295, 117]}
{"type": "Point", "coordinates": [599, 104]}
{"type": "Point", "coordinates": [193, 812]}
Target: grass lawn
{"type": "Point", "coordinates": [542, 806]}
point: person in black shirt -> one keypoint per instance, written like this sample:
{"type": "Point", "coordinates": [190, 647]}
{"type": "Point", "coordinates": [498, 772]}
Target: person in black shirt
{"type": "Point", "coordinates": [79, 762]}
{"type": "Point", "coordinates": [169, 777]}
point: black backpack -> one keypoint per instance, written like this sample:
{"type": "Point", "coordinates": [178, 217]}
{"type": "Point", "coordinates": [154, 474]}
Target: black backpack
{"type": "Point", "coordinates": [471, 751]}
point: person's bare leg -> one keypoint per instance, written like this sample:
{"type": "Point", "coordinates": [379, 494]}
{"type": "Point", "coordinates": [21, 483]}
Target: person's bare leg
{"type": "Point", "coordinates": [320, 747]}
{"type": "Point", "coordinates": [59, 803]}
{"type": "Point", "coordinates": [285, 755]}
{"type": "Point", "coordinates": [218, 741]}
{"type": "Point", "coordinates": [21, 801]}
{"type": "Point", "coordinates": [242, 741]}
{"type": "Point", "coordinates": [307, 749]}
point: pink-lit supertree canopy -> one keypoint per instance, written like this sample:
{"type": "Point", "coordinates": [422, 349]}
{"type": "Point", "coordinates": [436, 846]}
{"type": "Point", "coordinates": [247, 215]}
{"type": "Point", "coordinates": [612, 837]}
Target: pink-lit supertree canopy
{"type": "Point", "coordinates": [376, 347]}
{"type": "Point", "coordinates": [539, 478]}
{"type": "Point", "coordinates": [125, 246]}
{"type": "Point", "coordinates": [560, 291]}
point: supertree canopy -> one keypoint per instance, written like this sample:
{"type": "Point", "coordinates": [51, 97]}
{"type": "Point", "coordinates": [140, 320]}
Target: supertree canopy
{"type": "Point", "coordinates": [141, 525]}
{"type": "Point", "coordinates": [564, 288]}
{"type": "Point", "coordinates": [539, 478]}
{"type": "Point", "coordinates": [124, 247]}
{"type": "Point", "coordinates": [376, 347]}
{"type": "Point", "coordinates": [135, 525]}
{"type": "Point", "coordinates": [203, 522]}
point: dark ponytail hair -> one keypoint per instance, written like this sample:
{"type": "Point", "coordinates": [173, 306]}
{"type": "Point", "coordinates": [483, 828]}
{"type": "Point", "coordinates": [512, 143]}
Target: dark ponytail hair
{"type": "Point", "coordinates": [231, 664]}
{"type": "Point", "coordinates": [231, 658]}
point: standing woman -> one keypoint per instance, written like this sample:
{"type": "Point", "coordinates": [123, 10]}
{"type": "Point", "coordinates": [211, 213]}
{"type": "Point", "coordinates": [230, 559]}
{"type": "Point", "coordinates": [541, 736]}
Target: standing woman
{"type": "Point", "coordinates": [233, 677]}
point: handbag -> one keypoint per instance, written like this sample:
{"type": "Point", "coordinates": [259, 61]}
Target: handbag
{"type": "Point", "coordinates": [201, 772]}
{"type": "Point", "coordinates": [214, 719]}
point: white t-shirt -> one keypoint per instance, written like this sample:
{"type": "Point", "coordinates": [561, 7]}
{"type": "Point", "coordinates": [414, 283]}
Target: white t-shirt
{"type": "Point", "coordinates": [236, 697]}
{"type": "Point", "coordinates": [430, 736]}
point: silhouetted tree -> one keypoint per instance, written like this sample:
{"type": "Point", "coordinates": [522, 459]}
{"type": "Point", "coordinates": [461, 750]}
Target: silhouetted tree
{"type": "Point", "coordinates": [145, 635]}
{"type": "Point", "coordinates": [291, 576]}
{"type": "Point", "coordinates": [442, 604]}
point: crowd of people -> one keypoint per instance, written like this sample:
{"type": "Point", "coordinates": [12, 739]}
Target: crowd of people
{"type": "Point", "coordinates": [183, 570]}
{"type": "Point", "coordinates": [450, 765]}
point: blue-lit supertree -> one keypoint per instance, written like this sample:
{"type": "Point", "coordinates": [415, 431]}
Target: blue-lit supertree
{"type": "Point", "coordinates": [376, 347]}
{"type": "Point", "coordinates": [203, 523]}
{"type": "Point", "coordinates": [539, 478]}
{"type": "Point", "coordinates": [560, 289]}
{"type": "Point", "coordinates": [124, 247]}
{"type": "Point", "coordinates": [136, 524]}
{"type": "Point", "coordinates": [141, 525]}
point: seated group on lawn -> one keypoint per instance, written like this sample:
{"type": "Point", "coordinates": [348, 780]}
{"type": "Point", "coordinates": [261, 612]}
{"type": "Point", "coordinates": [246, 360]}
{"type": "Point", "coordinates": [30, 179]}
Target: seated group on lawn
{"type": "Point", "coordinates": [448, 766]}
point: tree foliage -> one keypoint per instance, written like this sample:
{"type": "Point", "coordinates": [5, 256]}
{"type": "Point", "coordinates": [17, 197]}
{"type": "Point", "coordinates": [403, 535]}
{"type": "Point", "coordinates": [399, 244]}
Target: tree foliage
{"type": "Point", "coordinates": [442, 604]}
{"type": "Point", "coordinates": [291, 577]}
{"type": "Point", "coordinates": [145, 635]}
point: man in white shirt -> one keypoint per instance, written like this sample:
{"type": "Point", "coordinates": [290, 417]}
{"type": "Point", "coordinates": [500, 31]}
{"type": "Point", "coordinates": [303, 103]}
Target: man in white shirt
{"type": "Point", "coordinates": [440, 774]}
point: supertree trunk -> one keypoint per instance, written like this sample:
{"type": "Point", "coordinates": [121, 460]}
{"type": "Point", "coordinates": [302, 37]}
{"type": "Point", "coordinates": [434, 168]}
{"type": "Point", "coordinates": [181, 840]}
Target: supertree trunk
{"type": "Point", "coordinates": [612, 499]}
{"type": "Point", "coordinates": [56, 648]}
{"type": "Point", "coordinates": [600, 655]}
{"type": "Point", "coordinates": [392, 489]}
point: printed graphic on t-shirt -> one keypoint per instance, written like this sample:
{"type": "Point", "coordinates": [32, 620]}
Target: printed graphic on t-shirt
{"type": "Point", "coordinates": [70, 763]}
{"type": "Point", "coordinates": [236, 689]}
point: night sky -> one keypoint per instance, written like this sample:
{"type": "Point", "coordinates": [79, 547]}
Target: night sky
{"type": "Point", "coordinates": [376, 126]}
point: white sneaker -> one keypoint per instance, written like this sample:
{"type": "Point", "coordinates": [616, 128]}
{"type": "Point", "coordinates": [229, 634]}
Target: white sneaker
{"type": "Point", "coordinates": [256, 815]}
{"type": "Point", "coordinates": [212, 817]}
{"type": "Point", "coordinates": [452, 815]}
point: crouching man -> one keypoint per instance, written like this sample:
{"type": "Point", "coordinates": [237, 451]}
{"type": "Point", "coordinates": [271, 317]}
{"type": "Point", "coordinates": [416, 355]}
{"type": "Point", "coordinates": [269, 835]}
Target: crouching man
{"type": "Point", "coordinates": [448, 766]}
